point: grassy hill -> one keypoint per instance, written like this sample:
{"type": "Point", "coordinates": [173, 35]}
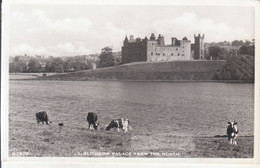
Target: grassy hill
{"type": "Point", "coordinates": [177, 70]}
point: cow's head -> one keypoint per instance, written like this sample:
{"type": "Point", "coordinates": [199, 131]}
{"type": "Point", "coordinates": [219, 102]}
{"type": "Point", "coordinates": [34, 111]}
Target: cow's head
{"type": "Point", "coordinates": [113, 124]}
{"type": "Point", "coordinates": [232, 123]}
{"type": "Point", "coordinates": [96, 125]}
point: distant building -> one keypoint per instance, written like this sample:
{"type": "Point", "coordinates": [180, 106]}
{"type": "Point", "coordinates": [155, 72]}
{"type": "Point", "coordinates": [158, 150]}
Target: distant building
{"type": "Point", "coordinates": [155, 50]}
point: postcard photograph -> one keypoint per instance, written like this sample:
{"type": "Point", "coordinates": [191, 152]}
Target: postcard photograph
{"type": "Point", "coordinates": [131, 81]}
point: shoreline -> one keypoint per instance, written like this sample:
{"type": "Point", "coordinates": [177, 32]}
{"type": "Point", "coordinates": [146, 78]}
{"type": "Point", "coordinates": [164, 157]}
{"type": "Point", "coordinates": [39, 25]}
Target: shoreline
{"type": "Point", "coordinates": [117, 80]}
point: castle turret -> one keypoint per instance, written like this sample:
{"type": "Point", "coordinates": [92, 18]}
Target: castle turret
{"type": "Point", "coordinates": [173, 40]}
{"type": "Point", "coordinates": [199, 47]}
{"type": "Point", "coordinates": [152, 36]}
{"type": "Point", "coordinates": [160, 40]}
{"type": "Point", "coordinates": [126, 41]}
{"type": "Point", "coordinates": [131, 38]}
{"type": "Point", "coordinates": [185, 38]}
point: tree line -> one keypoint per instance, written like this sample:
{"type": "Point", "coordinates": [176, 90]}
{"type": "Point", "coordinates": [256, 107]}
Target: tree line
{"type": "Point", "coordinates": [59, 65]}
{"type": "Point", "coordinates": [27, 64]}
{"type": "Point", "coordinates": [221, 53]}
{"type": "Point", "coordinates": [236, 43]}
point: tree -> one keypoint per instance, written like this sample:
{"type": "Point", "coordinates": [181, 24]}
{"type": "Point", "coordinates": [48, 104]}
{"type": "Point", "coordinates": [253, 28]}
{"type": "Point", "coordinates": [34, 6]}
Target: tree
{"type": "Point", "coordinates": [214, 52]}
{"type": "Point", "coordinates": [239, 67]}
{"type": "Point", "coordinates": [17, 65]}
{"type": "Point", "coordinates": [217, 53]}
{"type": "Point", "coordinates": [246, 49]}
{"type": "Point", "coordinates": [57, 65]}
{"type": "Point", "coordinates": [206, 55]}
{"type": "Point", "coordinates": [106, 57]}
{"type": "Point", "coordinates": [48, 66]}
{"type": "Point", "coordinates": [247, 43]}
{"type": "Point", "coordinates": [34, 66]}
{"type": "Point", "coordinates": [237, 43]}
{"type": "Point", "coordinates": [68, 64]}
{"type": "Point", "coordinates": [79, 63]}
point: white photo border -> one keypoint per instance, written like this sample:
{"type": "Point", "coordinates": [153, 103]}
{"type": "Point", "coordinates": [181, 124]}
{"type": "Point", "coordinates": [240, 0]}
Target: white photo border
{"type": "Point", "coordinates": [12, 162]}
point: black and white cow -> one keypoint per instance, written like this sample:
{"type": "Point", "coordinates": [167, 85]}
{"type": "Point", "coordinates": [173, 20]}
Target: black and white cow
{"type": "Point", "coordinates": [232, 131]}
{"type": "Point", "coordinates": [122, 123]}
{"type": "Point", "coordinates": [42, 116]}
{"type": "Point", "coordinates": [92, 120]}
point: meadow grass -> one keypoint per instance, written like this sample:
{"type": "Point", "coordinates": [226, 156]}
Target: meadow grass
{"type": "Point", "coordinates": [39, 140]}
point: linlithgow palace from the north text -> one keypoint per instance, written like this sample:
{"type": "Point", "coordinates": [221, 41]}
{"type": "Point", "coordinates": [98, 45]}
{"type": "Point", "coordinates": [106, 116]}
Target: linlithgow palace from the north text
{"type": "Point", "coordinates": [155, 50]}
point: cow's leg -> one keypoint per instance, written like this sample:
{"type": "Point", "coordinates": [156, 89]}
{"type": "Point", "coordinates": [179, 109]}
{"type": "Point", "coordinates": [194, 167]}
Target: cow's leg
{"type": "Point", "coordinates": [235, 141]}
{"type": "Point", "coordinates": [230, 140]}
{"type": "Point", "coordinates": [125, 129]}
{"type": "Point", "coordinates": [129, 127]}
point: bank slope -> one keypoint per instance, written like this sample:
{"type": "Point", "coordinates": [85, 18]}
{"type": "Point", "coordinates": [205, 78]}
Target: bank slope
{"type": "Point", "coordinates": [174, 71]}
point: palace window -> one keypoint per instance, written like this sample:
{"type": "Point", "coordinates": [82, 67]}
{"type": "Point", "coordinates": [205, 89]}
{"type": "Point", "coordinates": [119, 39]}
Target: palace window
{"type": "Point", "coordinates": [151, 53]}
{"type": "Point", "coordinates": [176, 49]}
{"type": "Point", "coordinates": [171, 54]}
{"type": "Point", "coordinates": [178, 54]}
{"type": "Point", "coordinates": [163, 54]}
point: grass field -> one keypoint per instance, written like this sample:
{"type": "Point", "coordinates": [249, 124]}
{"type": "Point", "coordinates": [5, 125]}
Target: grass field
{"type": "Point", "coordinates": [52, 140]}
{"type": "Point", "coordinates": [177, 70]}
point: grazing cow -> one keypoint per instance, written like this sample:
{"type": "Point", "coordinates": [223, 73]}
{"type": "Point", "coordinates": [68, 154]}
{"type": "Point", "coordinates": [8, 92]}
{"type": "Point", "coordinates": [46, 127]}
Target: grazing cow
{"type": "Point", "coordinates": [42, 117]}
{"type": "Point", "coordinates": [122, 123]}
{"type": "Point", "coordinates": [232, 131]}
{"type": "Point", "coordinates": [92, 120]}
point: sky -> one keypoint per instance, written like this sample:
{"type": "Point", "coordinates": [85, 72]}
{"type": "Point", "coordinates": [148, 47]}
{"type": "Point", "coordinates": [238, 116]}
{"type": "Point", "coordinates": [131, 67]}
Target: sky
{"type": "Point", "coordinates": [69, 30]}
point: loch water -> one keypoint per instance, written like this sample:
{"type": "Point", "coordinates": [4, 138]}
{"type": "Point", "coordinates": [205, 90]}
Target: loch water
{"type": "Point", "coordinates": [176, 108]}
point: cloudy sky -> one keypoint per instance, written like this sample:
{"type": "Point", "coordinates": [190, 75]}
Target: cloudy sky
{"type": "Point", "coordinates": [68, 30]}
